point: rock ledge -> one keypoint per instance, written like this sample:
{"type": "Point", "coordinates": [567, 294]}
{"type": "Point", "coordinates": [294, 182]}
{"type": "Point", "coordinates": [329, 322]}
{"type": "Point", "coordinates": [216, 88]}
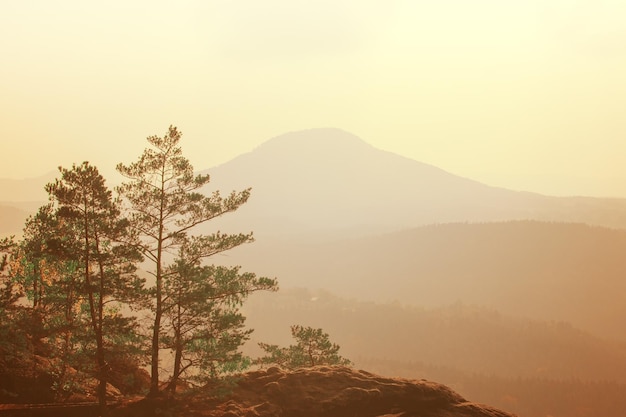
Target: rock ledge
{"type": "Point", "coordinates": [334, 392]}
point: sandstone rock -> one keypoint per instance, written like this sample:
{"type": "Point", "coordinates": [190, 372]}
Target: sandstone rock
{"type": "Point", "coordinates": [334, 392]}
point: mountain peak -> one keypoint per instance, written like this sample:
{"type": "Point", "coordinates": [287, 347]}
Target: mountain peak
{"type": "Point", "coordinates": [329, 179]}
{"type": "Point", "coordinates": [315, 140]}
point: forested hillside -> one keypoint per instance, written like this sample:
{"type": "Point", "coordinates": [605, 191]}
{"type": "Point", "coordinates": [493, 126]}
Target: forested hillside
{"type": "Point", "coordinates": [546, 271]}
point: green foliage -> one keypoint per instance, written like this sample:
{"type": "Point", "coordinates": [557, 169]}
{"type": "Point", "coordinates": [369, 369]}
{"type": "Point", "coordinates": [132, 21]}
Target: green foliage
{"type": "Point", "coordinates": [205, 326]}
{"type": "Point", "coordinates": [10, 292]}
{"type": "Point", "coordinates": [7, 250]}
{"type": "Point", "coordinates": [48, 277]}
{"type": "Point", "coordinates": [313, 347]}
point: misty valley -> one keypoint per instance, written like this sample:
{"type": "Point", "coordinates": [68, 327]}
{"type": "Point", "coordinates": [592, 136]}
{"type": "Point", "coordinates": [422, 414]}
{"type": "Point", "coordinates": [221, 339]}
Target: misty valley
{"type": "Point", "coordinates": [510, 298]}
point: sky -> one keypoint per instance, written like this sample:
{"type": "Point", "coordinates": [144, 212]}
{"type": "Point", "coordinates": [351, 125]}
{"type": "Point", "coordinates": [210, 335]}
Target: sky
{"type": "Point", "coordinates": [528, 95]}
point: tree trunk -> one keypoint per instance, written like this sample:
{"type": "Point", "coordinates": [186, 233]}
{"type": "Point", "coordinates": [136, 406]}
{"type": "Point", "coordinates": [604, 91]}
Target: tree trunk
{"type": "Point", "coordinates": [154, 374]}
{"type": "Point", "coordinates": [99, 330]}
{"type": "Point", "coordinates": [102, 373]}
{"type": "Point", "coordinates": [178, 357]}
{"type": "Point", "coordinates": [154, 368]}
{"type": "Point", "coordinates": [178, 346]}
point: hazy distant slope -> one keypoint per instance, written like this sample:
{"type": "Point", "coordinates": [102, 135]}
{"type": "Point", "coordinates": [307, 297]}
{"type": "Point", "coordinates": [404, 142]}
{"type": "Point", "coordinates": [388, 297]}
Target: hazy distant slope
{"type": "Point", "coordinates": [27, 189]}
{"type": "Point", "coordinates": [11, 220]}
{"type": "Point", "coordinates": [329, 180]}
{"type": "Point", "coordinates": [552, 271]}
{"type": "Point", "coordinates": [469, 339]}
{"type": "Point", "coordinates": [19, 199]}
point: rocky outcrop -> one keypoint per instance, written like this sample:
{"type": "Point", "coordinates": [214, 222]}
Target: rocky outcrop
{"type": "Point", "coordinates": [333, 392]}
{"type": "Point", "coordinates": [312, 392]}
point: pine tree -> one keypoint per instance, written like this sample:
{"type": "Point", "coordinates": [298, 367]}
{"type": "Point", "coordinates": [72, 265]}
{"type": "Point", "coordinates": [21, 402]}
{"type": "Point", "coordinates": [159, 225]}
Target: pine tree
{"type": "Point", "coordinates": [93, 229]}
{"type": "Point", "coordinates": [165, 203]}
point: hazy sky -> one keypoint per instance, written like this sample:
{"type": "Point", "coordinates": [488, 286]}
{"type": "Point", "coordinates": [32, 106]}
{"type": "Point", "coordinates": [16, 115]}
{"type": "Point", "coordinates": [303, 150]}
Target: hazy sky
{"type": "Point", "coordinates": [527, 94]}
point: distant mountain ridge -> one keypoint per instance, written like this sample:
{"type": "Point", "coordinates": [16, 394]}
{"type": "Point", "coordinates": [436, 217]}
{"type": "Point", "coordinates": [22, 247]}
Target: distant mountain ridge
{"type": "Point", "coordinates": [328, 180]}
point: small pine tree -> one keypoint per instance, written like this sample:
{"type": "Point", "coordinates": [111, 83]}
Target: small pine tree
{"type": "Point", "coordinates": [313, 347]}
